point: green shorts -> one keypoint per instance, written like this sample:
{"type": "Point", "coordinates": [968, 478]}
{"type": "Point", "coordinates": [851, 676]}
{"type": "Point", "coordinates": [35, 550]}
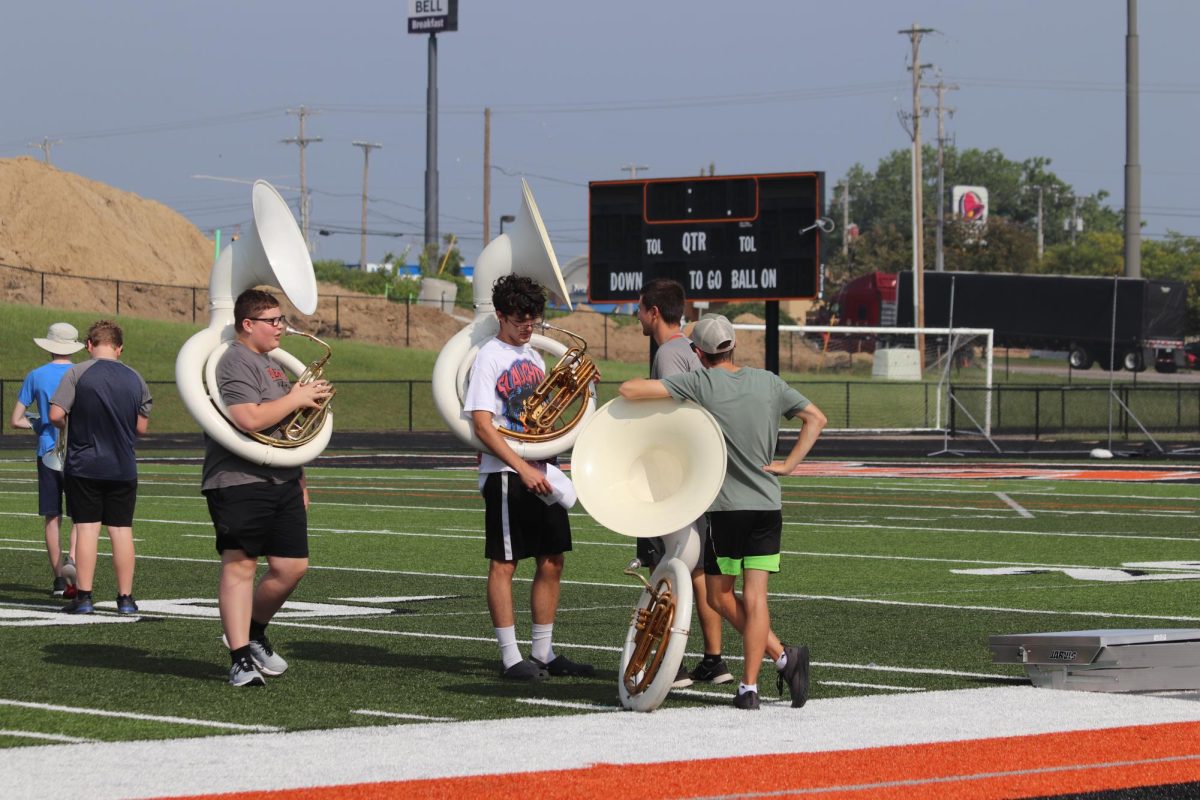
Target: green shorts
{"type": "Point", "coordinates": [741, 540]}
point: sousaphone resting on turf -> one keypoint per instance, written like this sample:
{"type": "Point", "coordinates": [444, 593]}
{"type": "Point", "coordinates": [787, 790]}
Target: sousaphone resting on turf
{"type": "Point", "coordinates": [271, 253]}
{"type": "Point", "coordinates": [652, 468]}
{"type": "Point", "coordinates": [566, 397]}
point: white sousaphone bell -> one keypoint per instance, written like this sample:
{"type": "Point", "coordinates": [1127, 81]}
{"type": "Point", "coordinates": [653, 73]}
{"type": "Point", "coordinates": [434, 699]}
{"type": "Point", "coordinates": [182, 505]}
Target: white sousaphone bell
{"type": "Point", "coordinates": [271, 253]}
{"type": "Point", "coordinates": [524, 250]}
{"type": "Point", "coordinates": [652, 468]}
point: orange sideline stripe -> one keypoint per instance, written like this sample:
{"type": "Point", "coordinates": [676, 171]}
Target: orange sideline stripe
{"type": "Point", "coordinates": [1021, 766]}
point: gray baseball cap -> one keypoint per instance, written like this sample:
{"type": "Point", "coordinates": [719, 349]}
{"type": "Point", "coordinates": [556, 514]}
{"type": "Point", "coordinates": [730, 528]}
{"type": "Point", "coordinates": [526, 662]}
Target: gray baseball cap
{"type": "Point", "coordinates": [62, 340]}
{"type": "Point", "coordinates": [713, 334]}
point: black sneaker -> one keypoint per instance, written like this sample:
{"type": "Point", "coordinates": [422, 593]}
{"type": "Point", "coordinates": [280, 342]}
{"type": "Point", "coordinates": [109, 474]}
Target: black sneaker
{"type": "Point", "coordinates": [244, 673]}
{"type": "Point", "coordinates": [525, 671]}
{"type": "Point", "coordinates": [795, 675]}
{"type": "Point", "coordinates": [715, 672]}
{"type": "Point", "coordinates": [126, 605]}
{"type": "Point", "coordinates": [747, 701]}
{"type": "Point", "coordinates": [683, 678]}
{"type": "Point", "coordinates": [563, 667]}
{"type": "Point", "coordinates": [60, 586]}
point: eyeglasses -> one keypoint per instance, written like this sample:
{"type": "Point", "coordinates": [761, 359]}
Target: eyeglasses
{"type": "Point", "coordinates": [274, 322]}
{"type": "Point", "coordinates": [526, 324]}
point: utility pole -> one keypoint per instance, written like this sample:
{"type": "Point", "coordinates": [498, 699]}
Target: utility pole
{"type": "Point", "coordinates": [45, 146]}
{"type": "Point", "coordinates": [1041, 238]}
{"type": "Point", "coordinates": [914, 34]}
{"type": "Point", "coordinates": [941, 88]}
{"type": "Point", "coordinates": [845, 199]}
{"type": "Point", "coordinates": [302, 141]}
{"type": "Point", "coordinates": [487, 176]}
{"type": "Point", "coordinates": [633, 169]}
{"type": "Point", "coordinates": [431, 171]}
{"type": "Point", "coordinates": [1074, 217]}
{"type": "Point", "coordinates": [1133, 167]}
{"type": "Point", "coordinates": [367, 147]}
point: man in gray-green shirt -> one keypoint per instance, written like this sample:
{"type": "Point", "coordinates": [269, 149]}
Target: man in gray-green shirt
{"type": "Point", "coordinates": [745, 520]}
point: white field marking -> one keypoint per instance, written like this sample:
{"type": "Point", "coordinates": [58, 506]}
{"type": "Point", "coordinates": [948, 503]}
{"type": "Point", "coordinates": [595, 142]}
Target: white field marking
{"type": "Point", "coordinates": [1011, 488]}
{"type": "Point", "coordinates": [1060, 512]}
{"type": "Point", "coordinates": [538, 701]}
{"type": "Point", "coordinates": [703, 695]}
{"type": "Point", "coordinates": [911, 529]}
{"type": "Point", "coordinates": [1014, 505]}
{"type": "Point", "coordinates": [97, 712]}
{"type": "Point", "coordinates": [885, 686]}
{"type": "Point", "coordinates": [996, 609]}
{"type": "Point", "coordinates": [630, 586]}
{"type": "Point", "coordinates": [47, 616]}
{"type": "Point", "coordinates": [911, 519]}
{"type": "Point", "coordinates": [402, 599]}
{"type": "Point", "coordinates": [50, 737]}
{"type": "Point", "coordinates": [368, 712]}
{"type": "Point", "coordinates": [1105, 575]}
{"type": "Point", "coordinates": [1159, 565]}
{"type": "Point", "coordinates": [22, 541]}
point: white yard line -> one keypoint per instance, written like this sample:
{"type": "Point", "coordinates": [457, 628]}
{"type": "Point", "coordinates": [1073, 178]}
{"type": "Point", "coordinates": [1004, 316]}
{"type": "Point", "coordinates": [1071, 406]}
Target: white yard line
{"type": "Point", "coordinates": [98, 712]}
{"type": "Point", "coordinates": [1014, 505]}
{"type": "Point", "coordinates": [978, 532]}
{"type": "Point", "coordinates": [889, 688]}
{"type": "Point", "coordinates": [49, 737]}
{"type": "Point", "coordinates": [539, 701]}
{"type": "Point", "coordinates": [369, 712]}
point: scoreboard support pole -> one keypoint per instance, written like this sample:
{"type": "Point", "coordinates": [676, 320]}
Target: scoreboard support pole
{"type": "Point", "coordinates": [771, 340]}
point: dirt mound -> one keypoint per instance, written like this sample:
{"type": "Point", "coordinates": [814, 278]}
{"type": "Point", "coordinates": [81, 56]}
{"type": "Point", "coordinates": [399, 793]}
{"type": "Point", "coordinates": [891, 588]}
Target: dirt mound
{"type": "Point", "coordinates": [59, 222]}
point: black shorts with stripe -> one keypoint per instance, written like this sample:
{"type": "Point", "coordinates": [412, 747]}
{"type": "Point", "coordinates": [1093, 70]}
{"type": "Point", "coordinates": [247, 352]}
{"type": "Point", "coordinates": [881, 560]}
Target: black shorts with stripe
{"type": "Point", "coordinates": [518, 524]}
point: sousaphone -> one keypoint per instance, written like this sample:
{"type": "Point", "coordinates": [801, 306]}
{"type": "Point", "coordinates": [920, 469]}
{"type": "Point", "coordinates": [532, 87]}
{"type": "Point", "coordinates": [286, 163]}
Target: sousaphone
{"type": "Point", "coordinates": [652, 468]}
{"type": "Point", "coordinates": [271, 253]}
{"type": "Point", "coordinates": [524, 250]}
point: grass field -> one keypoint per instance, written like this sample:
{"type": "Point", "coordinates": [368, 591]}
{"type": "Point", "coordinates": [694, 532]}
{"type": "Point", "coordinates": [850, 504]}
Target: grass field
{"type": "Point", "coordinates": [390, 623]}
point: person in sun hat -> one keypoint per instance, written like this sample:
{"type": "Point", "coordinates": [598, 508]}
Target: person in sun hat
{"type": "Point", "coordinates": [32, 412]}
{"type": "Point", "coordinates": [745, 520]}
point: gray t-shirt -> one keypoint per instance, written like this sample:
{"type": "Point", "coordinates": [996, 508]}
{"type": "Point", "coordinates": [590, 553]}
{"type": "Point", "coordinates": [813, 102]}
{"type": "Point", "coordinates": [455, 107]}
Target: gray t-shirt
{"type": "Point", "coordinates": [244, 376]}
{"type": "Point", "coordinates": [673, 357]}
{"type": "Point", "coordinates": [747, 404]}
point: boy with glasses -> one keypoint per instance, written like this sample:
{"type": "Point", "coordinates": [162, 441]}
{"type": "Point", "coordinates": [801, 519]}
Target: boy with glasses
{"type": "Point", "coordinates": [519, 522]}
{"type": "Point", "coordinates": [257, 510]}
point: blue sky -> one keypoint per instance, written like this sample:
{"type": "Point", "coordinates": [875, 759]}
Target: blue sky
{"type": "Point", "coordinates": [146, 94]}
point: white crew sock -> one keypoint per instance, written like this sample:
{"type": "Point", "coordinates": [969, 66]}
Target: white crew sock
{"type": "Point", "coordinates": [509, 652]}
{"type": "Point", "coordinates": [747, 687]}
{"type": "Point", "coordinates": [542, 649]}
{"type": "Point", "coordinates": [781, 662]}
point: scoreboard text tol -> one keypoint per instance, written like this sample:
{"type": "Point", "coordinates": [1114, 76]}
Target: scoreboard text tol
{"type": "Point", "coordinates": [723, 238]}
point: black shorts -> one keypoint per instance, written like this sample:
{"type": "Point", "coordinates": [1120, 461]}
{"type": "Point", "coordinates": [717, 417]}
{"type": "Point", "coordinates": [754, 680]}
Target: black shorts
{"type": "Point", "coordinates": [740, 540]}
{"type": "Point", "coordinates": [50, 491]}
{"type": "Point", "coordinates": [518, 524]}
{"type": "Point", "coordinates": [95, 500]}
{"type": "Point", "coordinates": [260, 519]}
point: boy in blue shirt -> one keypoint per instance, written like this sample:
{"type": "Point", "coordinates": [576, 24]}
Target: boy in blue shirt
{"type": "Point", "coordinates": [32, 412]}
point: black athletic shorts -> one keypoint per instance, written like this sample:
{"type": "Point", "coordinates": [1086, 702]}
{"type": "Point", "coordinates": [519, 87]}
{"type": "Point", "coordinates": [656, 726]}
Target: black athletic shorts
{"type": "Point", "coordinates": [95, 500]}
{"type": "Point", "coordinates": [740, 540]}
{"type": "Point", "coordinates": [50, 491]}
{"type": "Point", "coordinates": [518, 524]}
{"type": "Point", "coordinates": [261, 519]}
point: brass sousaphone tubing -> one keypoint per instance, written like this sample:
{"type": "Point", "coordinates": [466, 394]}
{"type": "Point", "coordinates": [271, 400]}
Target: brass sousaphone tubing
{"type": "Point", "coordinates": [570, 380]}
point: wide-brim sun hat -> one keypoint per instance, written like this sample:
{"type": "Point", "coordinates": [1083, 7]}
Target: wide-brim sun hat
{"type": "Point", "coordinates": [62, 339]}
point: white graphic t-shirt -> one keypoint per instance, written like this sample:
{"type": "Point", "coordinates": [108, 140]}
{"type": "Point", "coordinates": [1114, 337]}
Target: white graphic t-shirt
{"type": "Point", "coordinates": [501, 378]}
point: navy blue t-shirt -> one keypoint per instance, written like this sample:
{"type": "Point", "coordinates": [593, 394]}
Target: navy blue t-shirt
{"type": "Point", "coordinates": [103, 399]}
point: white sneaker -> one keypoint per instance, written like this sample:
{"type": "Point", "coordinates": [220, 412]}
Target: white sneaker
{"type": "Point", "coordinates": [243, 673]}
{"type": "Point", "coordinates": [265, 658]}
{"type": "Point", "coordinates": [67, 568]}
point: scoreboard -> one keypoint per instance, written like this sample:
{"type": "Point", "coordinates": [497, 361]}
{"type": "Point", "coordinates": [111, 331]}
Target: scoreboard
{"type": "Point", "coordinates": [724, 238]}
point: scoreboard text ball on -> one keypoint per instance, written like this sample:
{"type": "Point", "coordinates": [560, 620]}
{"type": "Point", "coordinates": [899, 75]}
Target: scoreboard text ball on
{"type": "Point", "coordinates": [724, 238]}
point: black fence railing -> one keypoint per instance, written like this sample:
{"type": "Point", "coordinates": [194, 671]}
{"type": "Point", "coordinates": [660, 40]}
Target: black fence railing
{"type": "Point", "coordinates": [1030, 411]}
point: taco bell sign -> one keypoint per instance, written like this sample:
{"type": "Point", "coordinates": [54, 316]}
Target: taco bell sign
{"type": "Point", "coordinates": [432, 16]}
{"type": "Point", "coordinates": [971, 203]}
